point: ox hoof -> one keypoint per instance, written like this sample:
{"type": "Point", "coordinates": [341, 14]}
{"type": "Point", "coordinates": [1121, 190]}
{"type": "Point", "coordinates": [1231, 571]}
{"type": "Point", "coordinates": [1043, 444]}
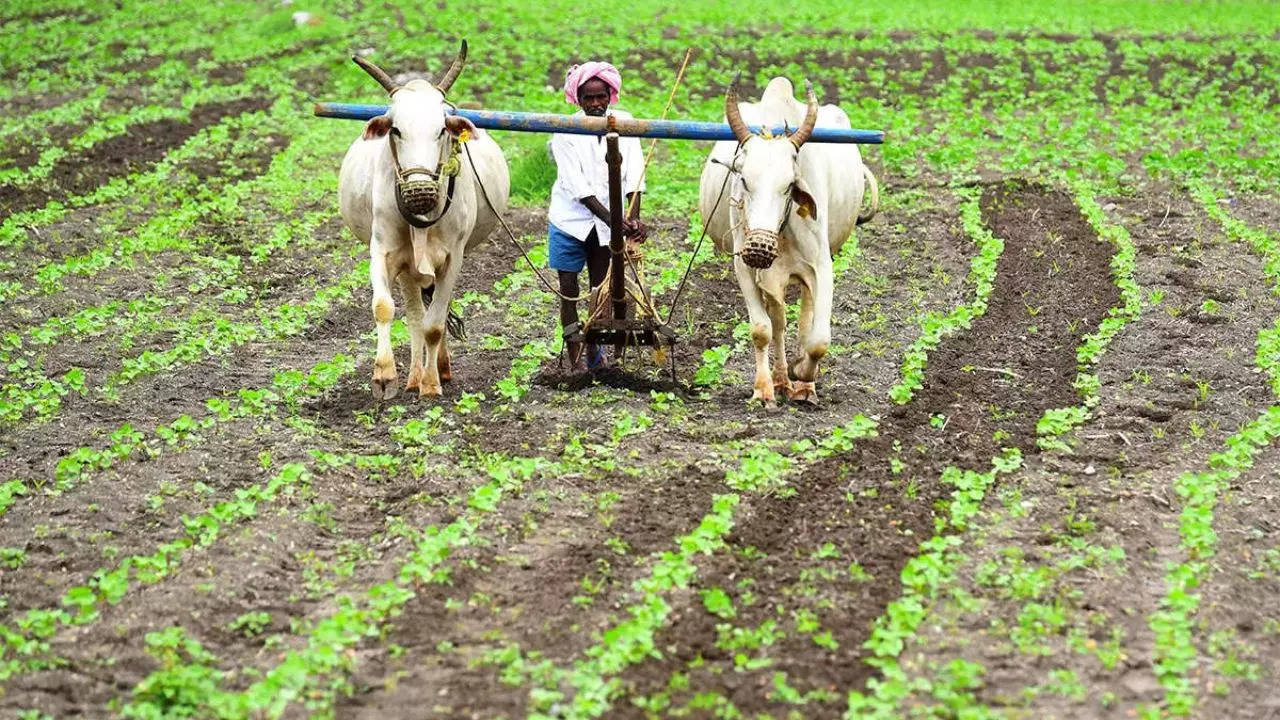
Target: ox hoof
{"type": "Point", "coordinates": [781, 387]}
{"type": "Point", "coordinates": [804, 393]}
{"type": "Point", "coordinates": [385, 388]}
{"type": "Point", "coordinates": [425, 390]}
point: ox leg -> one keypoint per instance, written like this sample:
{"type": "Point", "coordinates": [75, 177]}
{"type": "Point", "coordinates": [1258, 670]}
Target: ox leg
{"type": "Point", "coordinates": [415, 318]}
{"type": "Point", "coordinates": [384, 311]}
{"type": "Point", "coordinates": [433, 333]}
{"type": "Point", "coordinates": [778, 319]}
{"type": "Point", "coordinates": [761, 331]}
{"type": "Point", "coordinates": [444, 362]}
{"type": "Point", "coordinates": [815, 334]}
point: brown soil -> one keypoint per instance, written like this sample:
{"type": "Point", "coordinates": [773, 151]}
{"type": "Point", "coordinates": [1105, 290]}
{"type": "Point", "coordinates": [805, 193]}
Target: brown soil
{"type": "Point", "coordinates": [1239, 640]}
{"type": "Point", "coordinates": [995, 377]}
{"type": "Point", "coordinates": [1151, 425]}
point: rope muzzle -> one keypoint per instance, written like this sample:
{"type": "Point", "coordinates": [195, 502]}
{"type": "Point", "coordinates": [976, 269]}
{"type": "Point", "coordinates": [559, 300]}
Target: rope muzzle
{"type": "Point", "coordinates": [416, 199]}
{"type": "Point", "coordinates": [760, 249]}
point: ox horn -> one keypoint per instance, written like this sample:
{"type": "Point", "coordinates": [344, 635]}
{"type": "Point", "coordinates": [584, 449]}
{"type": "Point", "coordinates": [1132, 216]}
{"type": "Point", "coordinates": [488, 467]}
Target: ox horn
{"type": "Point", "coordinates": [377, 73]}
{"type": "Point", "coordinates": [454, 70]}
{"type": "Point", "coordinates": [733, 115]}
{"type": "Point", "coordinates": [810, 118]}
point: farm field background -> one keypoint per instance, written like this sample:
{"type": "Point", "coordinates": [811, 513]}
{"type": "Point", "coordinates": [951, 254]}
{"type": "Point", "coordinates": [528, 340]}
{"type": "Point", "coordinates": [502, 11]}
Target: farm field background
{"type": "Point", "coordinates": [1043, 480]}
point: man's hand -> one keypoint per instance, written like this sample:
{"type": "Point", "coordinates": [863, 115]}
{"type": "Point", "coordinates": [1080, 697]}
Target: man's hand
{"type": "Point", "coordinates": [635, 230]}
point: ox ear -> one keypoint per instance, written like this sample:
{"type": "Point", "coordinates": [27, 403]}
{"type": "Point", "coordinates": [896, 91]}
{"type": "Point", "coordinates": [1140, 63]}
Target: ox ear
{"type": "Point", "coordinates": [456, 125]}
{"type": "Point", "coordinates": [805, 206]}
{"type": "Point", "coordinates": [377, 127]}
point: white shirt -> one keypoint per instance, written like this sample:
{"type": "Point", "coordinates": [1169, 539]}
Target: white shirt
{"type": "Point", "coordinates": [581, 171]}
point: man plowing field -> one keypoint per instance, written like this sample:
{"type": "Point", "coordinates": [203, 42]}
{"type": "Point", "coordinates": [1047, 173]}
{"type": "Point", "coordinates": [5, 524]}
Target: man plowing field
{"type": "Point", "coordinates": [578, 218]}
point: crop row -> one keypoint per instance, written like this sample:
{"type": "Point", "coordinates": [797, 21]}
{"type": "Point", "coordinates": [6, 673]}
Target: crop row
{"type": "Point", "coordinates": [521, 284]}
{"type": "Point", "coordinates": [203, 336]}
{"type": "Point", "coordinates": [930, 576]}
{"type": "Point", "coordinates": [756, 469]}
{"type": "Point", "coordinates": [1175, 651]}
{"type": "Point", "coordinates": [935, 326]}
{"type": "Point", "coordinates": [90, 55]}
{"type": "Point", "coordinates": [27, 640]}
{"type": "Point", "coordinates": [1057, 422]}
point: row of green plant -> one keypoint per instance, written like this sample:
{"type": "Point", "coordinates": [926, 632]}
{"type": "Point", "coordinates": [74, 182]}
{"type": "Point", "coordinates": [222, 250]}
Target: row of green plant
{"type": "Point", "coordinates": [593, 677]}
{"type": "Point", "coordinates": [102, 54]}
{"type": "Point", "coordinates": [35, 396]}
{"type": "Point", "coordinates": [168, 187]}
{"type": "Point", "coordinates": [117, 124]}
{"type": "Point", "coordinates": [289, 388]}
{"type": "Point", "coordinates": [1056, 422]}
{"type": "Point", "coordinates": [313, 674]}
{"type": "Point", "coordinates": [283, 189]}
{"type": "Point", "coordinates": [322, 663]}
{"type": "Point", "coordinates": [935, 326]}
{"type": "Point", "coordinates": [1176, 656]}
{"type": "Point", "coordinates": [26, 641]}
{"type": "Point", "coordinates": [922, 577]}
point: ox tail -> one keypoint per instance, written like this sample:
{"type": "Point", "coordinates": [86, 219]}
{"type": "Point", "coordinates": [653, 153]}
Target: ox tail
{"type": "Point", "coordinates": [453, 323]}
{"type": "Point", "coordinates": [874, 189]}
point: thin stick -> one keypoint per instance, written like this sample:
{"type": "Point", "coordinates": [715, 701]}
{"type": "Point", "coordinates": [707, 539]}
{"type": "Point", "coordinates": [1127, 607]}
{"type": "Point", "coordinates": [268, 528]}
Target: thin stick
{"type": "Point", "coordinates": [654, 142]}
{"type": "Point", "coordinates": [636, 274]}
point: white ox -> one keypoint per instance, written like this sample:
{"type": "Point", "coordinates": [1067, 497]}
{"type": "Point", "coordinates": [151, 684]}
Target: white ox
{"type": "Point", "coordinates": [394, 193]}
{"type": "Point", "coordinates": [800, 200]}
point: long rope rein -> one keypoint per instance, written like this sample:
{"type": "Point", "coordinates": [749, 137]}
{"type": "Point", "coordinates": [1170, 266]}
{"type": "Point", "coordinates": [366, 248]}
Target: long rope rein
{"type": "Point", "coordinates": [536, 271]}
{"type": "Point", "coordinates": [671, 309]}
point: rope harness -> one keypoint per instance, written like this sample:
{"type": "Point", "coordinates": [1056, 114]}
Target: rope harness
{"type": "Point", "coordinates": [759, 246]}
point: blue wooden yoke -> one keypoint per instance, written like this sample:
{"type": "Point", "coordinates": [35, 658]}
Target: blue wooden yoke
{"type": "Point", "coordinates": [587, 125]}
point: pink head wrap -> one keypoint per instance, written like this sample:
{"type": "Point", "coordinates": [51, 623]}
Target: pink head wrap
{"type": "Point", "coordinates": [579, 74]}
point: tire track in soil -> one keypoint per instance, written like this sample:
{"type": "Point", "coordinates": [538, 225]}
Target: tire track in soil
{"type": "Point", "coordinates": [672, 494]}
{"type": "Point", "coordinates": [1141, 437]}
{"type": "Point", "coordinates": [140, 147]}
{"type": "Point", "coordinates": [996, 377]}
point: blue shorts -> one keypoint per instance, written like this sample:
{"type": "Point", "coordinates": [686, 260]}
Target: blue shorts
{"type": "Point", "coordinates": [566, 252]}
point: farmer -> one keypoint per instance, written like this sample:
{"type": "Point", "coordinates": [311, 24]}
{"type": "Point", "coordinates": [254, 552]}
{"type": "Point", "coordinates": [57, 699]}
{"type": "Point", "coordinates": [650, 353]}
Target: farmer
{"type": "Point", "coordinates": [578, 219]}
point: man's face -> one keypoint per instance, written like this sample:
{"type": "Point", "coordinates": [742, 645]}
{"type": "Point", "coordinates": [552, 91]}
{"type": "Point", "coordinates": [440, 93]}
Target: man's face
{"type": "Point", "coordinates": [593, 96]}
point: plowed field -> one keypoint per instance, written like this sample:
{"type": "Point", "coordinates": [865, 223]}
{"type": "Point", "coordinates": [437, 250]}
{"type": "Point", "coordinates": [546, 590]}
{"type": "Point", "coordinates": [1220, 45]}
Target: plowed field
{"type": "Point", "coordinates": [1042, 480]}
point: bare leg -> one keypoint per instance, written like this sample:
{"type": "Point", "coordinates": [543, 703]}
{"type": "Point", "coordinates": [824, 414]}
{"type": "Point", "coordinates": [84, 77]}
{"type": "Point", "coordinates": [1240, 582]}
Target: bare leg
{"type": "Point", "coordinates": [778, 318]}
{"type": "Point", "coordinates": [598, 259]}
